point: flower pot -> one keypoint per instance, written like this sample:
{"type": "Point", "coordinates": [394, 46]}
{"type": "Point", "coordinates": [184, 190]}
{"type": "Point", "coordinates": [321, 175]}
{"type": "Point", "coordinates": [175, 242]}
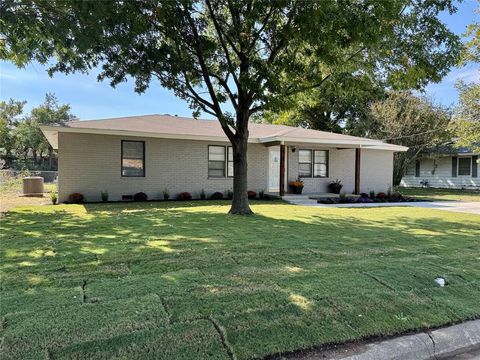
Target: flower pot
{"type": "Point", "coordinates": [296, 189]}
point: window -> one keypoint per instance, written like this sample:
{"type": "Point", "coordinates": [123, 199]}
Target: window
{"type": "Point", "coordinates": [305, 163]}
{"type": "Point", "coordinates": [133, 158]}
{"type": "Point", "coordinates": [313, 163]}
{"type": "Point", "coordinates": [230, 162]}
{"type": "Point", "coordinates": [464, 167]}
{"type": "Point", "coordinates": [320, 166]}
{"type": "Point", "coordinates": [410, 170]}
{"type": "Point", "coordinates": [216, 161]}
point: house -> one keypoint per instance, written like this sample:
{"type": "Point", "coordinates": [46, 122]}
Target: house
{"type": "Point", "coordinates": [156, 152]}
{"type": "Point", "coordinates": [446, 167]}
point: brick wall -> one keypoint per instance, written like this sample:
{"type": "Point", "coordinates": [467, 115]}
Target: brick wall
{"type": "Point", "coordinates": [90, 164]}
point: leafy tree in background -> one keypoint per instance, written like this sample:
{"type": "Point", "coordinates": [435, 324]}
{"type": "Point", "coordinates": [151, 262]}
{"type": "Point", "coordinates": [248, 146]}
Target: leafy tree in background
{"type": "Point", "coordinates": [10, 113]}
{"type": "Point", "coordinates": [408, 120]}
{"type": "Point", "coordinates": [232, 58]}
{"type": "Point", "coordinates": [20, 133]}
{"type": "Point", "coordinates": [466, 124]}
{"type": "Point", "coordinates": [471, 51]}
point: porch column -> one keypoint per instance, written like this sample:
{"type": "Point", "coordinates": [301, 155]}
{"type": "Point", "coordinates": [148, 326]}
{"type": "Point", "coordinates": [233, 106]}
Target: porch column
{"type": "Point", "coordinates": [358, 155]}
{"type": "Point", "coordinates": [282, 170]}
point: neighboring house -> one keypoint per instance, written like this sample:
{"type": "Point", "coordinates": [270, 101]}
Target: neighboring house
{"type": "Point", "coordinates": [156, 152]}
{"type": "Point", "coordinates": [445, 168]}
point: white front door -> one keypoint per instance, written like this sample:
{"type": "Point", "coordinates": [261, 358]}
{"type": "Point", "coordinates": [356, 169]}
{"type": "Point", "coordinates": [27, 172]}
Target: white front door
{"type": "Point", "coordinates": [274, 169]}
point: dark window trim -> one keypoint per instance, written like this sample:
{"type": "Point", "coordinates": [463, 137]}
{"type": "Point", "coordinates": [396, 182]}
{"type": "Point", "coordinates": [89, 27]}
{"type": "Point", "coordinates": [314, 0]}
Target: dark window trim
{"type": "Point", "coordinates": [143, 159]}
{"type": "Point", "coordinates": [225, 174]}
{"type": "Point", "coordinates": [327, 163]}
{"type": "Point", "coordinates": [312, 164]}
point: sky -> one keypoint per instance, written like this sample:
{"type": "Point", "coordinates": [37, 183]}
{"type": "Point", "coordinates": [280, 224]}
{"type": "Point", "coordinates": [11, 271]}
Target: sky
{"type": "Point", "coordinates": [90, 99]}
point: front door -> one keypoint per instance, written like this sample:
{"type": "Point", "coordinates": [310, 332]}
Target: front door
{"type": "Point", "coordinates": [274, 169]}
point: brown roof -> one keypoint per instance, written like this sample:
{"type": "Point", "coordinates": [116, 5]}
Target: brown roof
{"type": "Point", "coordinates": [176, 126]}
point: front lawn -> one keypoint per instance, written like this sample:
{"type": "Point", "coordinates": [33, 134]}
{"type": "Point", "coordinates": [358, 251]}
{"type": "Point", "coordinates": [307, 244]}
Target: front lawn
{"type": "Point", "coordinates": [182, 280]}
{"type": "Point", "coordinates": [442, 194]}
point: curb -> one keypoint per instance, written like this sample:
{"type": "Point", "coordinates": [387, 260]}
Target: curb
{"type": "Point", "coordinates": [437, 344]}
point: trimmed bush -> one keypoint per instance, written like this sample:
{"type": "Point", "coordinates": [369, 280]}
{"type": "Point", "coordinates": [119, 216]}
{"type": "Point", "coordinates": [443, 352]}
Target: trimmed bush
{"type": "Point", "coordinates": [76, 198]}
{"type": "Point", "coordinates": [53, 197]}
{"type": "Point", "coordinates": [185, 196]}
{"type": "Point", "coordinates": [229, 194]}
{"type": "Point", "coordinates": [217, 196]}
{"type": "Point", "coordinates": [251, 194]}
{"type": "Point", "coordinates": [104, 195]}
{"type": "Point", "coordinates": [381, 196]}
{"type": "Point", "coordinates": [202, 195]}
{"type": "Point", "coordinates": [166, 194]}
{"type": "Point", "coordinates": [261, 194]}
{"type": "Point", "coordinates": [140, 196]}
{"type": "Point", "coordinates": [363, 195]}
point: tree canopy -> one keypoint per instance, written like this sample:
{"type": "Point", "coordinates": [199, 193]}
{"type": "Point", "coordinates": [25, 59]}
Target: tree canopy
{"type": "Point", "coordinates": [250, 55]}
{"type": "Point", "coordinates": [408, 120]}
{"type": "Point", "coordinates": [22, 143]}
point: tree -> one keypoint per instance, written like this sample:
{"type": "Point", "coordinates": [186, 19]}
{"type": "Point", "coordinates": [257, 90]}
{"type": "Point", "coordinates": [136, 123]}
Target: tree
{"type": "Point", "coordinates": [408, 120]}
{"type": "Point", "coordinates": [50, 112]}
{"type": "Point", "coordinates": [248, 54]}
{"type": "Point", "coordinates": [10, 113]}
{"type": "Point", "coordinates": [337, 106]}
{"type": "Point", "coordinates": [471, 51]}
{"type": "Point", "coordinates": [466, 124]}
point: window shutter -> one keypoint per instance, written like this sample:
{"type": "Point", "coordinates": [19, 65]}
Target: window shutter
{"type": "Point", "coordinates": [454, 166]}
{"type": "Point", "coordinates": [417, 168]}
{"type": "Point", "coordinates": [474, 166]}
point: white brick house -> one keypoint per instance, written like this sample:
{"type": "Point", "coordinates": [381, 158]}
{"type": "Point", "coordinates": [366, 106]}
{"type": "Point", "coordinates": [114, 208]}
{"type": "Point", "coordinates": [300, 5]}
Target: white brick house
{"type": "Point", "coordinates": [156, 152]}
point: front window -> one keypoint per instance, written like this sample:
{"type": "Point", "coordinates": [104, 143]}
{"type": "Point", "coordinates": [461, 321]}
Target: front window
{"type": "Point", "coordinates": [464, 166]}
{"type": "Point", "coordinates": [216, 161]}
{"type": "Point", "coordinates": [230, 162]}
{"type": "Point", "coordinates": [320, 168]}
{"type": "Point", "coordinates": [313, 163]}
{"type": "Point", "coordinates": [133, 158]}
{"type": "Point", "coordinates": [305, 163]}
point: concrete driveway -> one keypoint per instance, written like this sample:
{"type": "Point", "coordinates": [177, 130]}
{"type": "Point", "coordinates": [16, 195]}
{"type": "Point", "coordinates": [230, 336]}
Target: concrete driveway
{"type": "Point", "coordinates": [454, 206]}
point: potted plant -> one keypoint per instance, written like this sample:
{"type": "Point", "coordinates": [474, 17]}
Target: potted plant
{"type": "Point", "coordinates": [335, 187]}
{"type": "Point", "coordinates": [296, 186]}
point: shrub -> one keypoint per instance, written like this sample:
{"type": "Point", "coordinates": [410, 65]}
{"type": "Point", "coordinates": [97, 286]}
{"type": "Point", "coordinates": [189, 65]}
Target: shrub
{"type": "Point", "coordinates": [185, 196]}
{"type": "Point", "coordinates": [343, 198]}
{"type": "Point", "coordinates": [363, 195]}
{"type": "Point", "coordinates": [104, 196]}
{"type": "Point", "coordinates": [335, 186]}
{"type": "Point", "coordinates": [76, 198]}
{"type": "Point", "coordinates": [327, 201]}
{"type": "Point", "coordinates": [251, 194]}
{"type": "Point", "coordinates": [372, 194]}
{"type": "Point", "coordinates": [217, 196]}
{"type": "Point", "coordinates": [229, 194]}
{"type": "Point", "coordinates": [364, 200]}
{"type": "Point", "coordinates": [381, 196]}
{"type": "Point", "coordinates": [53, 197]}
{"type": "Point", "coordinates": [140, 196]}
{"type": "Point", "coordinates": [166, 194]}
{"type": "Point", "coordinates": [261, 194]}
{"type": "Point", "coordinates": [202, 195]}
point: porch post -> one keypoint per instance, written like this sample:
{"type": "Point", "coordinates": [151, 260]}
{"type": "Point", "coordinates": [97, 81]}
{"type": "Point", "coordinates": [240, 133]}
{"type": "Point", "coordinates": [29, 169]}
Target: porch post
{"type": "Point", "coordinates": [282, 170]}
{"type": "Point", "coordinates": [358, 155]}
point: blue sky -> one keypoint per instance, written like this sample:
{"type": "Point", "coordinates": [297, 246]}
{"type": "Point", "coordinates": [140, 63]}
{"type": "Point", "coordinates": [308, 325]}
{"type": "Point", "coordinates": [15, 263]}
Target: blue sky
{"type": "Point", "coordinates": [90, 99]}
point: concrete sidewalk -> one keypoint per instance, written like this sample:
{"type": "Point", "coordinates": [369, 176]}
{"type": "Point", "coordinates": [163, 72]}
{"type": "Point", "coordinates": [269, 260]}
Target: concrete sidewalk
{"type": "Point", "coordinates": [455, 342]}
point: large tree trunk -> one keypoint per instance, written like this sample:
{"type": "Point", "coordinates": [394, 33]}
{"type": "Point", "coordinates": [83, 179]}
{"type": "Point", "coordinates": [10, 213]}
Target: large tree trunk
{"type": "Point", "coordinates": [240, 204]}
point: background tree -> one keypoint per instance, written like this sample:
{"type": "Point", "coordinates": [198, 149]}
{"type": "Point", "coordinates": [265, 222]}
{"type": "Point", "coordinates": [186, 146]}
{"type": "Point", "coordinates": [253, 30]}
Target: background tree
{"type": "Point", "coordinates": [249, 55]}
{"type": "Point", "coordinates": [408, 120]}
{"type": "Point", "coordinates": [471, 51]}
{"type": "Point", "coordinates": [466, 124]}
{"type": "Point", "coordinates": [10, 113]}
{"type": "Point", "coordinates": [22, 143]}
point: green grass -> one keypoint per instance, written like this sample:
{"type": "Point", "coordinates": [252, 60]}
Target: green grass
{"type": "Point", "coordinates": [442, 194]}
{"type": "Point", "coordinates": [182, 280]}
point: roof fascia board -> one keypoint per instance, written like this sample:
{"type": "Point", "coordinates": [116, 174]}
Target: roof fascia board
{"type": "Point", "coordinates": [47, 128]}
